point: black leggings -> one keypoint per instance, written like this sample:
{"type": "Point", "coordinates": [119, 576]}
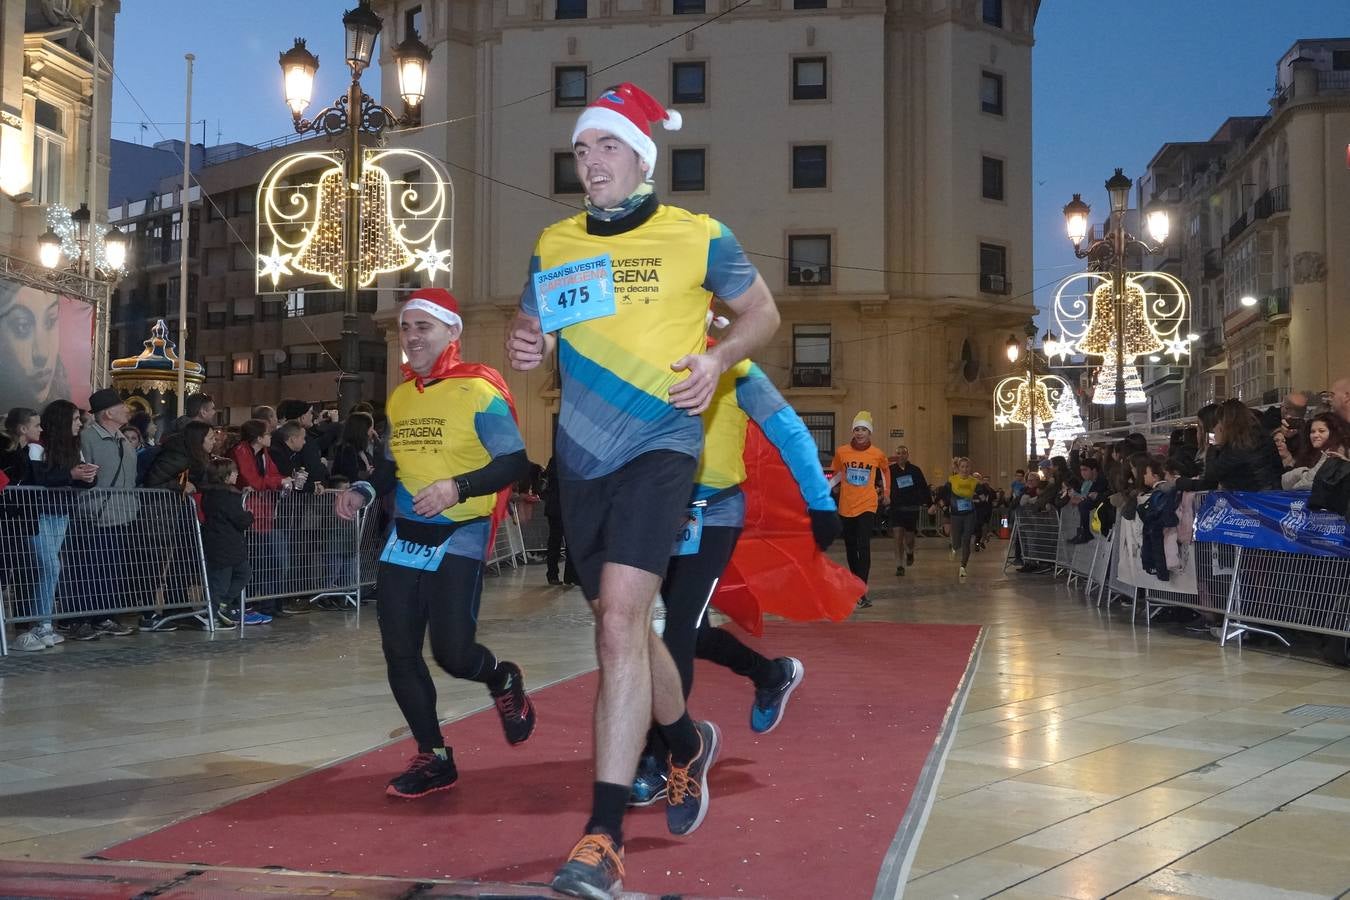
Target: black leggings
{"type": "Point", "coordinates": [858, 543]}
{"type": "Point", "coordinates": [686, 591]}
{"type": "Point", "coordinates": [445, 602]}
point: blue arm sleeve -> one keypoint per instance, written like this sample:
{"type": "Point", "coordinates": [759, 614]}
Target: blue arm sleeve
{"type": "Point", "coordinates": [786, 431]}
{"type": "Point", "coordinates": [730, 272]}
{"type": "Point", "coordinates": [528, 303]}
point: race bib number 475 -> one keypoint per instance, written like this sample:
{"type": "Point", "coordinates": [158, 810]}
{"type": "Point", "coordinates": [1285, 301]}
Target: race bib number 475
{"type": "Point", "coordinates": [575, 292]}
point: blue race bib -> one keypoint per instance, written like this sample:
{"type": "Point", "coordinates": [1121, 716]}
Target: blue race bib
{"type": "Point", "coordinates": [575, 292]}
{"type": "Point", "coordinates": [905, 481]}
{"type": "Point", "coordinates": [690, 535]}
{"type": "Point", "coordinates": [410, 555]}
{"type": "Point", "coordinates": [963, 505]}
{"type": "Point", "coordinates": [859, 477]}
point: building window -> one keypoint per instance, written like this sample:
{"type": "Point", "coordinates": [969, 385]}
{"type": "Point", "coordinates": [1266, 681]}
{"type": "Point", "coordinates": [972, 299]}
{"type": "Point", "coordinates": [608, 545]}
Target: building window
{"type": "Point", "coordinates": [809, 259]}
{"type": "Point", "coordinates": [991, 93]}
{"type": "Point", "coordinates": [215, 368]}
{"type": "Point", "coordinates": [809, 78]}
{"type": "Point", "coordinates": [295, 303]}
{"type": "Point", "coordinates": [243, 364]}
{"type": "Point", "coordinates": [991, 178]}
{"type": "Point", "coordinates": [565, 180]}
{"type": "Point", "coordinates": [569, 9]}
{"type": "Point", "coordinates": [993, 13]}
{"type": "Point", "coordinates": [810, 356]}
{"type": "Point", "coordinates": [569, 85]}
{"type": "Point", "coordinates": [686, 169]}
{"type": "Point", "coordinates": [689, 7]}
{"type": "Point", "coordinates": [993, 269]}
{"type": "Point", "coordinates": [49, 149]}
{"type": "Point", "coordinates": [1340, 60]}
{"type": "Point", "coordinates": [810, 4]}
{"type": "Point", "coordinates": [243, 201]}
{"type": "Point", "coordinates": [270, 310]}
{"type": "Point", "coordinates": [412, 21]}
{"type": "Point", "coordinates": [243, 311]}
{"type": "Point", "coordinates": [808, 166]}
{"type": "Point", "coordinates": [688, 82]}
{"type": "Point", "coordinates": [960, 435]}
{"type": "Point", "coordinates": [216, 315]}
{"type": "Point", "coordinates": [821, 427]}
{"type": "Point", "coordinates": [271, 365]}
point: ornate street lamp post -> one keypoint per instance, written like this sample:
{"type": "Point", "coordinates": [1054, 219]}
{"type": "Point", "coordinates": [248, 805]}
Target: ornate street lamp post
{"type": "Point", "coordinates": [350, 116]}
{"type": "Point", "coordinates": [1108, 254]}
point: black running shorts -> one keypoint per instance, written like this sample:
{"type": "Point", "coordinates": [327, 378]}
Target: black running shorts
{"type": "Point", "coordinates": [906, 517]}
{"type": "Point", "coordinates": [629, 516]}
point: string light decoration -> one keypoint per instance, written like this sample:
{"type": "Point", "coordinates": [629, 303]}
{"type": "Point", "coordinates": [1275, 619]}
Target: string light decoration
{"type": "Point", "coordinates": [301, 212]}
{"type": "Point", "coordinates": [1104, 394]}
{"type": "Point", "coordinates": [60, 221]}
{"type": "Point", "coordinates": [1013, 400]}
{"type": "Point", "coordinates": [1067, 423]}
{"type": "Point", "coordinates": [1155, 315]}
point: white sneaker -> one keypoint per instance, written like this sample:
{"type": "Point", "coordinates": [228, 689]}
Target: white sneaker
{"type": "Point", "coordinates": [49, 636]}
{"type": "Point", "coordinates": [963, 571]}
{"type": "Point", "coordinates": [28, 641]}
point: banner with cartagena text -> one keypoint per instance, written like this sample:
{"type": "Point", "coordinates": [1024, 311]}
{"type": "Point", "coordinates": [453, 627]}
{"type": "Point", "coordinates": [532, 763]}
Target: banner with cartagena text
{"type": "Point", "coordinates": [1271, 520]}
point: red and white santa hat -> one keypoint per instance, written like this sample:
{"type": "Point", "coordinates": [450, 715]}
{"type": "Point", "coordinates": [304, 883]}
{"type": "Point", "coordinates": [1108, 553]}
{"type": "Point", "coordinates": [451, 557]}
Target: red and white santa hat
{"type": "Point", "coordinates": [627, 111]}
{"type": "Point", "coordinates": [436, 302]}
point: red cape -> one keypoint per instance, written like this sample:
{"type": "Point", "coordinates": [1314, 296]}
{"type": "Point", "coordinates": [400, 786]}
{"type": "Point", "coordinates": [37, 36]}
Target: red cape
{"type": "Point", "coordinates": [449, 365]}
{"type": "Point", "coordinates": [777, 567]}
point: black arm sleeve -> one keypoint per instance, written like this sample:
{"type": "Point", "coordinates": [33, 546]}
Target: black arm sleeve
{"type": "Point", "coordinates": [385, 477]}
{"type": "Point", "coordinates": [501, 472]}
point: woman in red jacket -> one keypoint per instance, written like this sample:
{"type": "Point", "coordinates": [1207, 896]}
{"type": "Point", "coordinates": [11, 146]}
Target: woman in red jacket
{"type": "Point", "coordinates": [261, 480]}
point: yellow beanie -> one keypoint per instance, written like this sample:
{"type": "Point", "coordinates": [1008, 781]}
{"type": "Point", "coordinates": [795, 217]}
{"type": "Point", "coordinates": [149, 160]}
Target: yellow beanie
{"type": "Point", "coordinates": [863, 420]}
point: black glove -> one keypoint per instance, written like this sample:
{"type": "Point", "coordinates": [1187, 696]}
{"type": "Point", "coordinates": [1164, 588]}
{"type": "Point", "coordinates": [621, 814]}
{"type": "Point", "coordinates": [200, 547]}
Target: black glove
{"type": "Point", "coordinates": [825, 527]}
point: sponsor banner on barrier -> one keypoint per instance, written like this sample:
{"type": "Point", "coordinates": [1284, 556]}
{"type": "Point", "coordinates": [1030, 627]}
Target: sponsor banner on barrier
{"type": "Point", "coordinates": [1271, 520]}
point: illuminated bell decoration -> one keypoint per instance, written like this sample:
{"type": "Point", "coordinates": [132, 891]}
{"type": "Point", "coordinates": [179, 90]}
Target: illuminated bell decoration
{"type": "Point", "coordinates": [302, 213]}
{"type": "Point", "coordinates": [1021, 411]}
{"type": "Point", "coordinates": [1101, 332]}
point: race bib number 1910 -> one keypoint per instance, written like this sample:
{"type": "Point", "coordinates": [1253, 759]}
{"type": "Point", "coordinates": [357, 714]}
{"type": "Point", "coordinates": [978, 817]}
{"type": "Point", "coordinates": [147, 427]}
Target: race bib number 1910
{"type": "Point", "coordinates": [575, 292]}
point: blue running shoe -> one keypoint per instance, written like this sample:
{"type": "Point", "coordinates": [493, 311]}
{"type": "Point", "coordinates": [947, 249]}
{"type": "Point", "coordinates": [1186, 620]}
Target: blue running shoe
{"type": "Point", "coordinates": [650, 783]}
{"type": "Point", "coordinates": [687, 786]}
{"type": "Point", "coordinates": [257, 618]}
{"type": "Point", "coordinates": [770, 704]}
{"type": "Point", "coordinates": [593, 870]}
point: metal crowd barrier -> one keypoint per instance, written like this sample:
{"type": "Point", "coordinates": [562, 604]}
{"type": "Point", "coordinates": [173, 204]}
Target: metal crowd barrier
{"type": "Point", "coordinates": [1250, 590]}
{"type": "Point", "coordinates": [534, 529]}
{"type": "Point", "coordinates": [299, 548]}
{"type": "Point", "coordinates": [1037, 534]}
{"type": "Point", "coordinates": [509, 546]}
{"type": "Point", "coordinates": [67, 553]}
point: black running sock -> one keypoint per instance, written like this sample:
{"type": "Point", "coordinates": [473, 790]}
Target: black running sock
{"type": "Point", "coordinates": [682, 738]}
{"type": "Point", "coordinates": [608, 802]}
{"type": "Point", "coordinates": [768, 674]}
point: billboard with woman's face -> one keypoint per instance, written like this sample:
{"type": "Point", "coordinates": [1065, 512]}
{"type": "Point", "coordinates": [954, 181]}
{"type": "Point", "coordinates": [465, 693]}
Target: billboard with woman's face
{"type": "Point", "coordinates": [45, 345]}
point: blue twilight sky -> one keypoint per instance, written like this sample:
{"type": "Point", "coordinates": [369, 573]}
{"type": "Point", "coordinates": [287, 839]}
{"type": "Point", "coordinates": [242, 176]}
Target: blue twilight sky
{"type": "Point", "coordinates": [1169, 70]}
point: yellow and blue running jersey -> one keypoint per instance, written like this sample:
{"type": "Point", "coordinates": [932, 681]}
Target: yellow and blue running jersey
{"type": "Point", "coordinates": [744, 393]}
{"type": "Point", "coordinates": [616, 375]}
{"type": "Point", "coordinates": [455, 426]}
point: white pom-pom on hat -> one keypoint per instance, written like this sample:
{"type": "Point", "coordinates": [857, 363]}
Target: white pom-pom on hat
{"type": "Point", "coordinates": [673, 120]}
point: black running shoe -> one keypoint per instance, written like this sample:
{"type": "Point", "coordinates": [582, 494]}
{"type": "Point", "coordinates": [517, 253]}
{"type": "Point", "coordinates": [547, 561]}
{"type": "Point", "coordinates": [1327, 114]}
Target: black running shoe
{"type": "Point", "coordinates": [650, 783]}
{"type": "Point", "coordinates": [687, 786]}
{"type": "Point", "coordinates": [864, 603]}
{"type": "Point", "coordinates": [427, 773]}
{"type": "Point", "coordinates": [772, 703]}
{"type": "Point", "coordinates": [899, 570]}
{"type": "Point", "coordinates": [514, 706]}
{"type": "Point", "coordinates": [909, 559]}
{"type": "Point", "coordinates": [594, 869]}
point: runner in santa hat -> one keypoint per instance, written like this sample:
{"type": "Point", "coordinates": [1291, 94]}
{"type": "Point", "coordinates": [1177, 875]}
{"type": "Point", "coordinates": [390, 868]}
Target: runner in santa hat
{"type": "Point", "coordinates": [621, 290]}
{"type": "Point", "coordinates": [453, 452]}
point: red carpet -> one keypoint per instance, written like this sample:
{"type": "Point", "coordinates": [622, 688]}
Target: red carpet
{"type": "Point", "coordinates": [807, 811]}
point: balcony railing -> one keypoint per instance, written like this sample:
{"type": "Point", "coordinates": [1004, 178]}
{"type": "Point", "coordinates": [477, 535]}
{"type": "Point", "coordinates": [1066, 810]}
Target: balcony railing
{"type": "Point", "coordinates": [1277, 303]}
{"type": "Point", "coordinates": [813, 375]}
{"type": "Point", "coordinates": [1275, 200]}
{"type": "Point", "coordinates": [1236, 228]}
{"type": "Point", "coordinates": [994, 284]}
{"type": "Point", "coordinates": [1213, 263]}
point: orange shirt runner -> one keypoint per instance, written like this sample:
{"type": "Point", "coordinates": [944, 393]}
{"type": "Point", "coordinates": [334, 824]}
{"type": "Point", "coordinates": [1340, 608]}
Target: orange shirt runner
{"type": "Point", "coordinates": [857, 473]}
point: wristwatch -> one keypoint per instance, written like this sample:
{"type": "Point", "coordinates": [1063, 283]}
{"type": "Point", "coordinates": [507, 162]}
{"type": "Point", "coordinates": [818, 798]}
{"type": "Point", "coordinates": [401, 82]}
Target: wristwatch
{"type": "Point", "coordinates": [462, 485]}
